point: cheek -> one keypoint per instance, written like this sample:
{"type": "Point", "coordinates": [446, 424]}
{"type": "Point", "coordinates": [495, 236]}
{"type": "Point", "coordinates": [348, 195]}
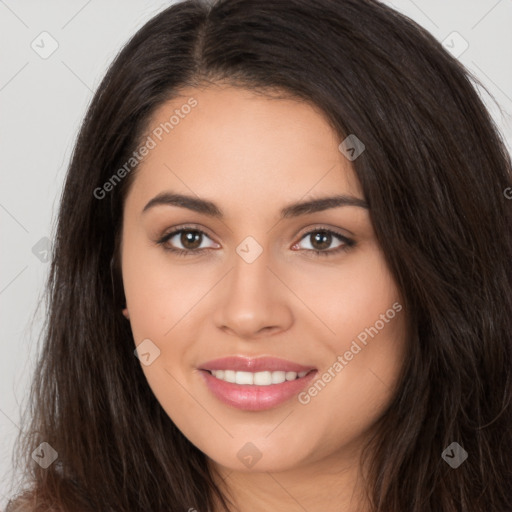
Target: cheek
{"type": "Point", "coordinates": [364, 323]}
{"type": "Point", "coordinates": [158, 297]}
{"type": "Point", "coordinates": [374, 334]}
{"type": "Point", "coordinates": [158, 294]}
{"type": "Point", "coordinates": [363, 358]}
{"type": "Point", "coordinates": [349, 297]}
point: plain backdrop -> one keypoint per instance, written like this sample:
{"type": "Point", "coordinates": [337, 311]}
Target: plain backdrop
{"type": "Point", "coordinates": [43, 99]}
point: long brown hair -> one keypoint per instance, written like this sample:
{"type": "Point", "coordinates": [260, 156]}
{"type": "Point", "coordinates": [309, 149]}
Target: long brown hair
{"type": "Point", "coordinates": [434, 174]}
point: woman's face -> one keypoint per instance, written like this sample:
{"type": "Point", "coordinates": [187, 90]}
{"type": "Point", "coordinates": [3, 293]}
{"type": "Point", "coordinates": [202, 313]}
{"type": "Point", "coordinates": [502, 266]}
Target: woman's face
{"type": "Point", "coordinates": [251, 285]}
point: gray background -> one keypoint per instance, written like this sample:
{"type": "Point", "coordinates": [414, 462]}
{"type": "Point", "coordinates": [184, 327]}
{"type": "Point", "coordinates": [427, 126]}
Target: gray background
{"type": "Point", "coordinates": [43, 101]}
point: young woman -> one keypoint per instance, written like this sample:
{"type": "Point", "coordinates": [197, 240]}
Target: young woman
{"type": "Point", "coordinates": [281, 277]}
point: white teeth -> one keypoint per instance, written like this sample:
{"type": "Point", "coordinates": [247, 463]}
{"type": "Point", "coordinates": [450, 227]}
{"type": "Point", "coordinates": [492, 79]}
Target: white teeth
{"type": "Point", "coordinates": [291, 375]}
{"type": "Point", "coordinates": [229, 376]}
{"type": "Point", "coordinates": [243, 378]}
{"type": "Point", "coordinates": [265, 378]}
{"type": "Point", "coordinates": [278, 377]}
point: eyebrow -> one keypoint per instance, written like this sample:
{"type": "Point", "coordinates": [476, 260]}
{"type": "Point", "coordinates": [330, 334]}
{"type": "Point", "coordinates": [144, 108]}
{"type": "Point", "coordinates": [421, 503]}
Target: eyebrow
{"type": "Point", "coordinates": [292, 210]}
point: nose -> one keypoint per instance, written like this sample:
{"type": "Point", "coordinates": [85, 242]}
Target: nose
{"type": "Point", "coordinates": [252, 301]}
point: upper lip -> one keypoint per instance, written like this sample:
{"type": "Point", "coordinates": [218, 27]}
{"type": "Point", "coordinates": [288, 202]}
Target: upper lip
{"type": "Point", "coordinates": [258, 364]}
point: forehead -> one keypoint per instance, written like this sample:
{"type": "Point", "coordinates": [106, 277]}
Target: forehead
{"type": "Point", "coordinates": [236, 145]}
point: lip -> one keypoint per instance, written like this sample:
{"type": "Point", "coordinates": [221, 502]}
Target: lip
{"type": "Point", "coordinates": [251, 397]}
{"type": "Point", "coordinates": [259, 364]}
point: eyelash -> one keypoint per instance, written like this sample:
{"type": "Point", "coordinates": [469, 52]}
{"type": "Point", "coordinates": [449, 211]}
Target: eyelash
{"type": "Point", "coordinates": [347, 242]}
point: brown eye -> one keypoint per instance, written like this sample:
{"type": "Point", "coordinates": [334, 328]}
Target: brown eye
{"type": "Point", "coordinates": [321, 242]}
{"type": "Point", "coordinates": [190, 239]}
{"type": "Point", "coordinates": [186, 241]}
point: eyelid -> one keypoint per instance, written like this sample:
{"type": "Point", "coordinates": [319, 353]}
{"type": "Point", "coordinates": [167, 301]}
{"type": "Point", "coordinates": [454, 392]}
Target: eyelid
{"type": "Point", "coordinates": [323, 227]}
{"type": "Point", "coordinates": [196, 227]}
{"type": "Point", "coordinates": [347, 242]}
{"type": "Point", "coordinates": [184, 227]}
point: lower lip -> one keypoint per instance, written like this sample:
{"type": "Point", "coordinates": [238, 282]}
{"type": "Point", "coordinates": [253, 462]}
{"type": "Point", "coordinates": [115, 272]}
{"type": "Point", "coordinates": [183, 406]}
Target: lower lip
{"type": "Point", "coordinates": [255, 398]}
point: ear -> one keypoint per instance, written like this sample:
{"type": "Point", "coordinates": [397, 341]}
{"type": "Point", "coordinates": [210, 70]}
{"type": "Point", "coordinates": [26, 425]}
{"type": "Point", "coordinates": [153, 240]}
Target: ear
{"type": "Point", "coordinates": [126, 313]}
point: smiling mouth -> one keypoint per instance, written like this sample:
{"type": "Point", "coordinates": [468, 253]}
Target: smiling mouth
{"type": "Point", "coordinates": [256, 391]}
{"type": "Point", "coordinates": [255, 383]}
{"type": "Point", "coordinates": [263, 378]}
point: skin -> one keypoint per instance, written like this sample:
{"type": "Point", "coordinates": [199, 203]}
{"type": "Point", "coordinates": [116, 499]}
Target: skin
{"type": "Point", "coordinates": [252, 155]}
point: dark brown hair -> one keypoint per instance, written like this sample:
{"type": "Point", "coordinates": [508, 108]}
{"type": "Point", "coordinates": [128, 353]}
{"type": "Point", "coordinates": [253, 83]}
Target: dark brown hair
{"type": "Point", "coordinates": [433, 173]}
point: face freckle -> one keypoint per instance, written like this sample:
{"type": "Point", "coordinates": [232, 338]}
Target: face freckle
{"type": "Point", "coordinates": [258, 288]}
